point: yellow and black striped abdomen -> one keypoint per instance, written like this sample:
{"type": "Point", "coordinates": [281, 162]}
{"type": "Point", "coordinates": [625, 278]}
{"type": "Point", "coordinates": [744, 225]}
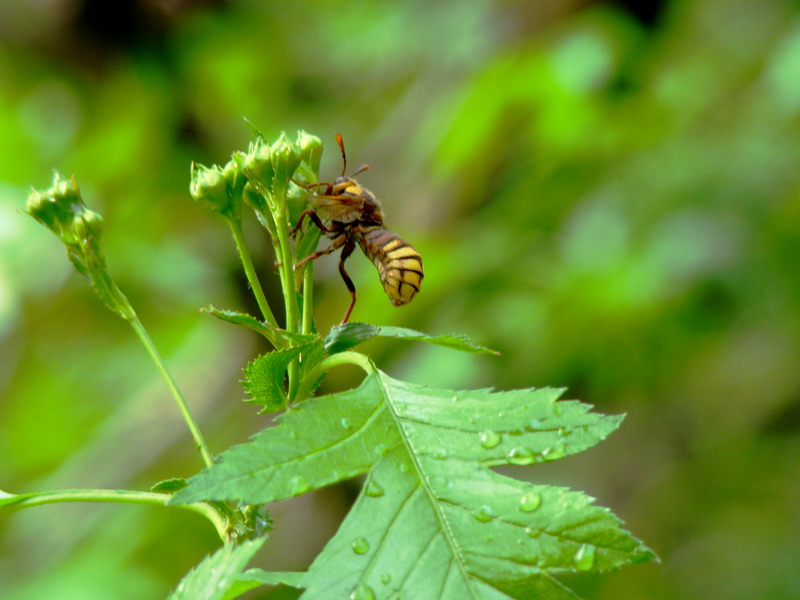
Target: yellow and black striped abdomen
{"type": "Point", "coordinates": [399, 265]}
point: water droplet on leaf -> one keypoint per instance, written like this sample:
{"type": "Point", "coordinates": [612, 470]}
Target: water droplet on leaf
{"type": "Point", "coordinates": [298, 485]}
{"type": "Point", "coordinates": [532, 532]}
{"type": "Point", "coordinates": [362, 592]}
{"type": "Point", "coordinates": [530, 501]}
{"type": "Point", "coordinates": [490, 439]}
{"type": "Point", "coordinates": [360, 545]}
{"type": "Point", "coordinates": [584, 557]}
{"type": "Point", "coordinates": [439, 454]}
{"type": "Point", "coordinates": [345, 423]}
{"type": "Point", "coordinates": [484, 514]}
{"type": "Point", "coordinates": [564, 431]}
{"type": "Point", "coordinates": [386, 578]}
{"type": "Point", "coordinates": [534, 425]}
{"type": "Point", "coordinates": [374, 489]}
{"type": "Point", "coordinates": [554, 452]}
{"type": "Point", "coordinates": [521, 456]}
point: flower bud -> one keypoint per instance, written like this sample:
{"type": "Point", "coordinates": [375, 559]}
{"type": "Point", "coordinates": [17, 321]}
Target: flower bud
{"type": "Point", "coordinates": [57, 207]}
{"type": "Point", "coordinates": [310, 149]}
{"type": "Point", "coordinates": [210, 187]}
{"type": "Point", "coordinates": [258, 163]}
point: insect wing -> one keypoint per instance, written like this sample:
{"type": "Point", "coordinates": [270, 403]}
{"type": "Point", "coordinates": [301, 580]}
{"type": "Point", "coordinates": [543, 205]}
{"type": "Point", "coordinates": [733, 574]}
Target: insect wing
{"type": "Point", "coordinates": [343, 208]}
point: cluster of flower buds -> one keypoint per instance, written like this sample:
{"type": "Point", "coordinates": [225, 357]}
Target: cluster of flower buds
{"type": "Point", "coordinates": [261, 177]}
{"type": "Point", "coordinates": [62, 210]}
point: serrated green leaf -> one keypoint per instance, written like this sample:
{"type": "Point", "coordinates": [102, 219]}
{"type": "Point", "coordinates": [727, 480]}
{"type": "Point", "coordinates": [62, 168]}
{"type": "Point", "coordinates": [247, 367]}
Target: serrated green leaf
{"type": "Point", "coordinates": [433, 521]}
{"type": "Point", "coordinates": [212, 578]}
{"type": "Point", "coordinates": [169, 485]}
{"type": "Point", "coordinates": [253, 578]}
{"type": "Point", "coordinates": [284, 337]}
{"type": "Point", "coordinates": [344, 337]}
{"type": "Point", "coordinates": [265, 374]}
{"type": "Point", "coordinates": [349, 335]}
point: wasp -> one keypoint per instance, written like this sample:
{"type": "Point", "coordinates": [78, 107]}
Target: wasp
{"type": "Point", "coordinates": [354, 216]}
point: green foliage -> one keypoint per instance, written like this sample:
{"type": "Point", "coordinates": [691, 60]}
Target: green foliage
{"type": "Point", "coordinates": [433, 520]}
{"type": "Point", "coordinates": [432, 516]}
{"type": "Point", "coordinates": [349, 335]}
{"type": "Point", "coordinates": [213, 578]}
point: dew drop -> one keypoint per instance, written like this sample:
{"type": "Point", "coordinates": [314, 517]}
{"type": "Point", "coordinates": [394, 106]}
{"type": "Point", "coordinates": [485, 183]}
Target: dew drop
{"type": "Point", "coordinates": [484, 513]}
{"type": "Point", "coordinates": [584, 557]}
{"type": "Point", "coordinates": [386, 578]}
{"type": "Point", "coordinates": [554, 452]}
{"type": "Point", "coordinates": [298, 485]}
{"type": "Point", "coordinates": [534, 425]}
{"type": "Point", "coordinates": [516, 432]}
{"type": "Point", "coordinates": [521, 456]}
{"type": "Point", "coordinates": [450, 484]}
{"type": "Point", "coordinates": [564, 431]}
{"type": "Point", "coordinates": [530, 501]}
{"type": "Point", "coordinates": [473, 419]}
{"type": "Point", "coordinates": [490, 439]}
{"type": "Point", "coordinates": [345, 423]}
{"type": "Point", "coordinates": [362, 592]}
{"type": "Point", "coordinates": [360, 545]}
{"type": "Point", "coordinates": [532, 532]}
{"type": "Point", "coordinates": [381, 448]}
{"type": "Point", "coordinates": [374, 489]}
{"type": "Point", "coordinates": [403, 467]}
{"type": "Point", "coordinates": [439, 454]}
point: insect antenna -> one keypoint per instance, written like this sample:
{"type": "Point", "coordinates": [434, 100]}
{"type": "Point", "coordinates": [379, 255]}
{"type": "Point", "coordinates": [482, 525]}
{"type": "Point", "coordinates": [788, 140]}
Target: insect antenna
{"type": "Point", "coordinates": [360, 169]}
{"type": "Point", "coordinates": [340, 141]}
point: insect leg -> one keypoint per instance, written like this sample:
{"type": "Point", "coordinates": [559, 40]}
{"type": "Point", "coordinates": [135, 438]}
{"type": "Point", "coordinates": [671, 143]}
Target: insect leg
{"type": "Point", "coordinates": [346, 252]}
{"type": "Point", "coordinates": [337, 243]}
{"type": "Point", "coordinates": [311, 215]}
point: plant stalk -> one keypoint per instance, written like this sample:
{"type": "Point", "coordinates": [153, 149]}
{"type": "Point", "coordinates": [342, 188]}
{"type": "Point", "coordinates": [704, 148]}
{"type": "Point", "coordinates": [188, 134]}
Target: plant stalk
{"type": "Point", "coordinates": [250, 272]}
{"type": "Point", "coordinates": [121, 496]}
{"type": "Point", "coordinates": [336, 360]}
{"type": "Point", "coordinates": [183, 407]}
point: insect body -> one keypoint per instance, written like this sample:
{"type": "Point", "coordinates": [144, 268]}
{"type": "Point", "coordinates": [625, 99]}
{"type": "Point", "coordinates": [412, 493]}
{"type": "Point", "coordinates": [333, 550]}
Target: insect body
{"type": "Point", "coordinates": [355, 217]}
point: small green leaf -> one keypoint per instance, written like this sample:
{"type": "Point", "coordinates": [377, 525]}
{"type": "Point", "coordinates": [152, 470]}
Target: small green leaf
{"type": "Point", "coordinates": [264, 376]}
{"type": "Point", "coordinates": [273, 334]}
{"type": "Point", "coordinates": [344, 337]}
{"type": "Point", "coordinates": [349, 335]}
{"type": "Point", "coordinates": [169, 485]}
{"type": "Point", "coordinates": [253, 578]}
{"type": "Point", "coordinates": [212, 578]}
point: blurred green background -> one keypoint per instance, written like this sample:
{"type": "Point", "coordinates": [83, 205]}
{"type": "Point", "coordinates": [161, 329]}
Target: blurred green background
{"type": "Point", "coordinates": [607, 194]}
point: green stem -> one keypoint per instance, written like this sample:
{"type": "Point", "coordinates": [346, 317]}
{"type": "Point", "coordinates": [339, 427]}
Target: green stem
{"type": "Point", "coordinates": [289, 289]}
{"type": "Point", "coordinates": [342, 358]}
{"type": "Point", "coordinates": [121, 496]}
{"type": "Point", "coordinates": [250, 272]}
{"type": "Point", "coordinates": [308, 297]}
{"type": "Point", "coordinates": [183, 407]}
